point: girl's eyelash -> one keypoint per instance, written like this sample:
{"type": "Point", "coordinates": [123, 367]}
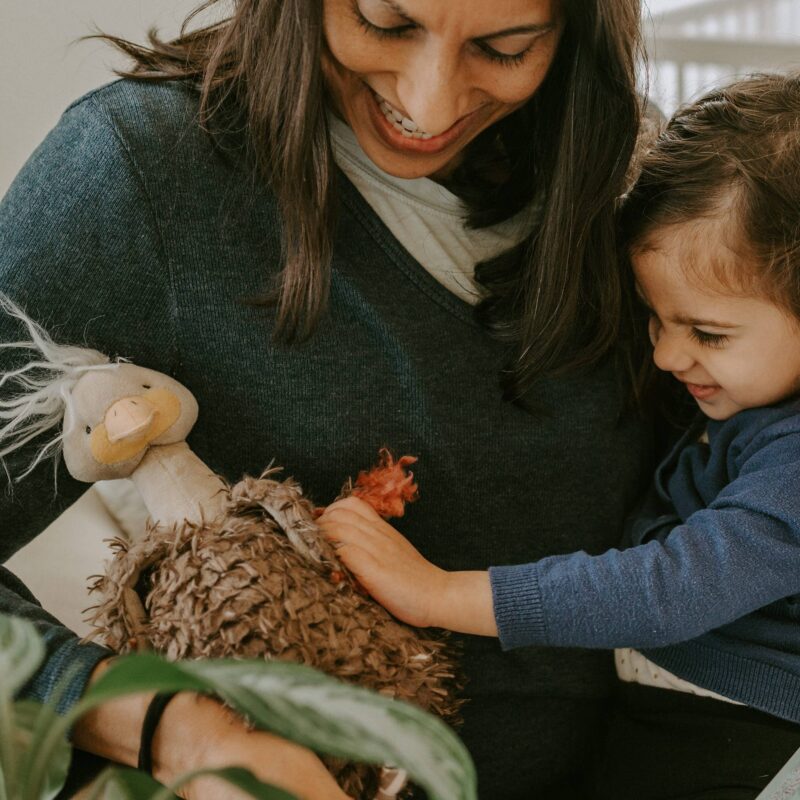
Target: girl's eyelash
{"type": "Point", "coordinates": [402, 30]}
{"type": "Point", "coordinates": [708, 339]}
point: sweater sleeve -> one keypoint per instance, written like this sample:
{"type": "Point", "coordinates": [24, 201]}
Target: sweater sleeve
{"type": "Point", "coordinates": [80, 252]}
{"type": "Point", "coordinates": [727, 560]}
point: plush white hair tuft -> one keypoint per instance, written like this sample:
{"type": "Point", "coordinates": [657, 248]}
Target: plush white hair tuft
{"type": "Point", "coordinates": [46, 383]}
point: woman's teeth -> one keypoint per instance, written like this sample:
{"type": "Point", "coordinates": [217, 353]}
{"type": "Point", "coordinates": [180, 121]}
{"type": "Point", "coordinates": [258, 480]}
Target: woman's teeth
{"type": "Point", "coordinates": [401, 124]}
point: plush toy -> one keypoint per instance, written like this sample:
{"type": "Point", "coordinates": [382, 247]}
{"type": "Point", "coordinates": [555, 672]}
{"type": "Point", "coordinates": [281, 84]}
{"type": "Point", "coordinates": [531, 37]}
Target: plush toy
{"type": "Point", "coordinates": [222, 571]}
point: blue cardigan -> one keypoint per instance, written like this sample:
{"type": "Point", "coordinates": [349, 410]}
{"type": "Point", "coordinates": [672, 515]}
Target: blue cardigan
{"type": "Point", "coordinates": [709, 588]}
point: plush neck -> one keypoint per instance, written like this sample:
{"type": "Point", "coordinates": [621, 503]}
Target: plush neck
{"type": "Point", "coordinates": [177, 486]}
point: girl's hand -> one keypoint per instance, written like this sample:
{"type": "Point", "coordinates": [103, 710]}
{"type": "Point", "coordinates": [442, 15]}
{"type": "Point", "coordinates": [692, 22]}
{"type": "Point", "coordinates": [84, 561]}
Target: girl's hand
{"type": "Point", "coordinates": [393, 571]}
{"type": "Point", "coordinates": [386, 564]}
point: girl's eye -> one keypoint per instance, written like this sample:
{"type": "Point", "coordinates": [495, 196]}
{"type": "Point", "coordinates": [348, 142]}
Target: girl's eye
{"type": "Point", "coordinates": [146, 386]}
{"type": "Point", "coordinates": [88, 429]}
{"type": "Point", "coordinates": [708, 339]}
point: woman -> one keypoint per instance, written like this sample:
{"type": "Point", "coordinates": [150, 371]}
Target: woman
{"type": "Point", "coordinates": [134, 230]}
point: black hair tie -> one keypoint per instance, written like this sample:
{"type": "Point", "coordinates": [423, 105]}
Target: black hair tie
{"type": "Point", "coordinates": [151, 720]}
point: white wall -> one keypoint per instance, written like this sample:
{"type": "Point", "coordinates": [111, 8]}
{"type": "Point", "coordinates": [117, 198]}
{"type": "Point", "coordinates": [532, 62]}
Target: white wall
{"type": "Point", "coordinates": [43, 68]}
{"type": "Point", "coordinates": [41, 71]}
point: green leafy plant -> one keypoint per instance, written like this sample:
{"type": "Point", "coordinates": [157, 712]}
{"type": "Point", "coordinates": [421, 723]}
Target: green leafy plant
{"type": "Point", "coordinates": [296, 702]}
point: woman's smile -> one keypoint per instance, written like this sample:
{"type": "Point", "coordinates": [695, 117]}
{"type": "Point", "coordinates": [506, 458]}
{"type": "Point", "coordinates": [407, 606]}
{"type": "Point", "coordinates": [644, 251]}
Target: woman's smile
{"type": "Point", "coordinates": [418, 80]}
{"type": "Point", "coordinates": [402, 133]}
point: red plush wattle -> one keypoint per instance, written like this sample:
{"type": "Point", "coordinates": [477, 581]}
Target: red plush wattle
{"type": "Point", "coordinates": [388, 486]}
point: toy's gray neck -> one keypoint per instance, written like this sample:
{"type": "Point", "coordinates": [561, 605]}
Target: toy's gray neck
{"type": "Point", "coordinates": [176, 486]}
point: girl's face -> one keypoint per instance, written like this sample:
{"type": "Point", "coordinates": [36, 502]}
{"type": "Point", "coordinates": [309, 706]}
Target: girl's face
{"type": "Point", "coordinates": [417, 80]}
{"type": "Point", "coordinates": [730, 349]}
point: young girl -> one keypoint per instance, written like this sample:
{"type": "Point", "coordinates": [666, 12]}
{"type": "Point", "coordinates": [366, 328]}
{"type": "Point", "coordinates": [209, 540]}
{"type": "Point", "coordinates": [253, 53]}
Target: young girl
{"type": "Point", "coordinates": [702, 605]}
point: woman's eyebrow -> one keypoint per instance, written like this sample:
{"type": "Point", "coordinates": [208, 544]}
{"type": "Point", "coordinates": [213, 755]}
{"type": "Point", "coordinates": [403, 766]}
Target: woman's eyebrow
{"type": "Point", "coordinates": [401, 12]}
{"type": "Point", "coordinates": [541, 27]}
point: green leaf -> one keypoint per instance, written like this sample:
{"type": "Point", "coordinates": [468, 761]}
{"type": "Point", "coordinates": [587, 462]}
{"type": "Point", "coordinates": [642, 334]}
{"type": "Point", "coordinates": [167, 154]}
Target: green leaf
{"type": "Point", "coordinates": [8, 751]}
{"type": "Point", "coordinates": [21, 652]}
{"type": "Point", "coordinates": [305, 706]}
{"type": "Point", "coordinates": [44, 760]}
{"type": "Point", "coordinates": [124, 784]}
{"type": "Point", "coordinates": [5, 793]}
{"type": "Point", "coordinates": [129, 784]}
{"type": "Point", "coordinates": [239, 777]}
{"type": "Point", "coordinates": [47, 743]}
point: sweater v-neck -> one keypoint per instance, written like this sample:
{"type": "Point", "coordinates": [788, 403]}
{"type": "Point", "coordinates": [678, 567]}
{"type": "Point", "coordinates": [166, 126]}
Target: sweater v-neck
{"type": "Point", "coordinates": [399, 257]}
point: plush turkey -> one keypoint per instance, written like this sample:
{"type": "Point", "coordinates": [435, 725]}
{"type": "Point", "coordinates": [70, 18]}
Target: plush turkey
{"type": "Point", "coordinates": [222, 571]}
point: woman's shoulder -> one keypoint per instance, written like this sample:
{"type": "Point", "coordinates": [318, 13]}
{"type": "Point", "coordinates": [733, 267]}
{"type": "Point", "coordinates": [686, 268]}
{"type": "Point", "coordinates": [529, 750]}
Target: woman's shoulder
{"type": "Point", "coordinates": [153, 121]}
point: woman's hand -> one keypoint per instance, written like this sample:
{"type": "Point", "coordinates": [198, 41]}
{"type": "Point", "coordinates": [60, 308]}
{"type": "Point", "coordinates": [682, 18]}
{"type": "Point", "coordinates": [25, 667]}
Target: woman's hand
{"type": "Point", "coordinates": [394, 572]}
{"type": "Point", "coordinates": [201, 733]}
{"type": "Point", "coordinates": [197, 732]}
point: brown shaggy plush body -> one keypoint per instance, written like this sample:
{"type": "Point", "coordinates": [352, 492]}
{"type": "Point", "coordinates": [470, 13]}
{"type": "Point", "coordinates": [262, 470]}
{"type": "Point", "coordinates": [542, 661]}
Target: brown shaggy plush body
{"type": "Point", "coordinates": [239, 588]}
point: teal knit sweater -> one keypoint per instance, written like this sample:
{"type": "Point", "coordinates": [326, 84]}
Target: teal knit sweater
{"type": "Point", "coordinates": [129, 232]}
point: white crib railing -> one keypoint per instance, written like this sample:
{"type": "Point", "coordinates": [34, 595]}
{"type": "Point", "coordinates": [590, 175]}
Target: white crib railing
{"type": "Point", "coordinates": [695, 47]}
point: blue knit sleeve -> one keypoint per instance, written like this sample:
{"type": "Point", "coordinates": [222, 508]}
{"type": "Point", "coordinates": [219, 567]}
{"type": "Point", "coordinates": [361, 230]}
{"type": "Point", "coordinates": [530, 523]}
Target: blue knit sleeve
{"type": "Point", "coordinates": [80, 252]}
{"type": "Point", "coordinates": [727, 560]}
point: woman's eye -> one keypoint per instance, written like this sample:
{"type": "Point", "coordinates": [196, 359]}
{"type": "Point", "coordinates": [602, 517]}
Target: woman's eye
{"type": "Point", "coordinates": [708, 339]}
{"type": "Point", "coordinates": [508, 59]}
{"type": "Point", "coordinates": [146, 386]}
{"type": "Point", "coordinates": [88, 429]}
{"type": "Point", "coordinates": [393, 32]}
{"type": "Point", "coordinates": [403, 30]}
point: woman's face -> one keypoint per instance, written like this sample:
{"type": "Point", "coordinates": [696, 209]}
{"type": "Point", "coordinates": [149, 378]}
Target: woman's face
{"type": "Point", "coordinates": [417, 80]}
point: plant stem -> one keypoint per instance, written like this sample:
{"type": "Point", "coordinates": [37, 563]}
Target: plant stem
{"type": "Point", "coordinates": [7, 737]}
{"type": "Point", "coordinates": [56, 733]}
{"type": "Point", "coordinates": [99, 784]}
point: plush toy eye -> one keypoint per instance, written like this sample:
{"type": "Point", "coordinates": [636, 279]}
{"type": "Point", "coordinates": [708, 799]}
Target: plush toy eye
{"type": "Point", "coordinates": [146, 386]}
{"type": "Point", "coordinates": [88, 429]}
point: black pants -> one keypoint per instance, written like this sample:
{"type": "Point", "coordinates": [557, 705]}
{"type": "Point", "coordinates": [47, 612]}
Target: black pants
{"type": "Point", "coordinates": [666, 745]}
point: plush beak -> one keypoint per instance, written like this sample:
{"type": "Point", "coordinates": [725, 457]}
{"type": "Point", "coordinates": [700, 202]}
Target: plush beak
{"type": "Point", "coordinates": [129, 418]}
{"type": "Point", "coordinates": [132, 423]}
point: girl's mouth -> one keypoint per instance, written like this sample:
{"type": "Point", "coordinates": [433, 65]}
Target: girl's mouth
{"type": "Point", "coordinates": [402, 133]}
{"type": "Point", "coordinates": [701, 392]}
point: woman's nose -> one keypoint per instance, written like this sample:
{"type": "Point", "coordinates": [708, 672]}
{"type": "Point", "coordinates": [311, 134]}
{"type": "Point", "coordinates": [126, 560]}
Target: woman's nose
{"type": "Point", "coordinates": [431, 90]}
{"type": "Point", "coordinates": [670, 353]}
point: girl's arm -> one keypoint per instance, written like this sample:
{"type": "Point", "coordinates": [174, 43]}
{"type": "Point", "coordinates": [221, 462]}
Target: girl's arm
{"type": "Point", "coordinates": [393, 571]}
{"type": "Point", "coordinates": [728, 560]}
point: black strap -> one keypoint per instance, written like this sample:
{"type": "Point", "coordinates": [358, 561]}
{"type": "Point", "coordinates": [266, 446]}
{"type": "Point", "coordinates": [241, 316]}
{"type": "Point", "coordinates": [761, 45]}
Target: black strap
{"type": "Point", "coordinates": [151, 720]}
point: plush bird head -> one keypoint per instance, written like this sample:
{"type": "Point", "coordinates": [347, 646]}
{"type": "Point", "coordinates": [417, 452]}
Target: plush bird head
{"type": "Point", "coordinates": [104, 414]}
{"type": "Point", "coordinates": [113, 416]}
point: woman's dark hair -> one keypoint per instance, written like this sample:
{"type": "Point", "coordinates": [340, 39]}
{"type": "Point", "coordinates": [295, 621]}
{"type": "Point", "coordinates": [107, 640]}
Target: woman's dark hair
{"type": "Point", "coordinates": [734, 157]}
{"type": "Point", "coordinates": [559, 299]}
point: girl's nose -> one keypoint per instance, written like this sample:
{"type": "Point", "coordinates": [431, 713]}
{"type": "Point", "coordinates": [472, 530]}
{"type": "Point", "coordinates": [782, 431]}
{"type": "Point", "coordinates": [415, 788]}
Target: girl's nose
{"type": "Point", "coordinates": [670, 352]}
{"type": "Point", "coordinates": [431, 90]}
